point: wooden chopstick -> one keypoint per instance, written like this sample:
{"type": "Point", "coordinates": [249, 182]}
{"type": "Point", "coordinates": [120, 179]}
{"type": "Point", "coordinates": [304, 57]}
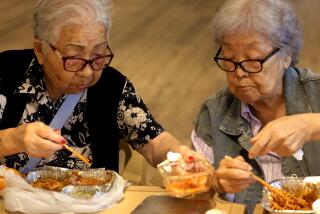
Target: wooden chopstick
{"type": "Point", "coordinates": [261, 181]}
{"type": "Point", "coordinates": [289, 198]}
{"type": "Point", "coordinates": [84, 159]}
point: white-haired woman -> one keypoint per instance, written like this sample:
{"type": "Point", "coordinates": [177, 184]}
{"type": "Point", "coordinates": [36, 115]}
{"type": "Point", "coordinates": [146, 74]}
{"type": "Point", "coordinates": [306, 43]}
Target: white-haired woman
{"type": "Point", "coordinates": [71, 55]}
{"type": "Point", "coordinates": [258, 47]}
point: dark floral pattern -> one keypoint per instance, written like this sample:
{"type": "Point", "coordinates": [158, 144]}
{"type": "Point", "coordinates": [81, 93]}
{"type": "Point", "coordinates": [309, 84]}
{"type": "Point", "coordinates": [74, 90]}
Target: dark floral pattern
{"type": "Point", "coordinates": [135, 122]}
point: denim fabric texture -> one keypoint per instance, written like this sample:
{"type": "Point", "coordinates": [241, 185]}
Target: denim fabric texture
{"type": "Point", "coordinates": [221, 126]}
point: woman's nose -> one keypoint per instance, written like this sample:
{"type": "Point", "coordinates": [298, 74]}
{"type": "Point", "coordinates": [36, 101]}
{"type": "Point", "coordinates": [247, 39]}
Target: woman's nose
{"type": "Point", "coordinates": [240, 73]}
{"type": "Point", "coordinates": [86, 71]}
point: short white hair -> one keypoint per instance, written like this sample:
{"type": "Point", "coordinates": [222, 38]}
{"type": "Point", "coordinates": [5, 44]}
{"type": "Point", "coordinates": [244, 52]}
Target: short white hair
{"type": "Point", "coordinates": [275, 20]}
{"type": "Point", "coordinates": [51, 15]}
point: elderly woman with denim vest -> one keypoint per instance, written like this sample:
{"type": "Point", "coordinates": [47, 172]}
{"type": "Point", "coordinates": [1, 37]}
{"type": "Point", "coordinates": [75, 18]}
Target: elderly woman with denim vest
{"type": "Point", "coordinates": [71, 55]}
{"type": "Point", "coordinates": [264, 117]}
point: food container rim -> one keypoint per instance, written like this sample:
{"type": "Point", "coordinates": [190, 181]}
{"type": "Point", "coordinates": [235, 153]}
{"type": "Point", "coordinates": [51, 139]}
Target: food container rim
{"type": "Point", "coordinates": [208, 170]}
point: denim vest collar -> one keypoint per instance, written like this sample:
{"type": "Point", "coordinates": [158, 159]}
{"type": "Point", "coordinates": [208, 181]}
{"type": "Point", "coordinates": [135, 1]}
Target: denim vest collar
{"type": "Point", "coordinates": [295, 95]}
{"type": "Point", "coordinates": [234, 124]}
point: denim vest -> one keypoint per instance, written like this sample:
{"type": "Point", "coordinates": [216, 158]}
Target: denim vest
{"type": "Point", "coordinates": [221, 126]}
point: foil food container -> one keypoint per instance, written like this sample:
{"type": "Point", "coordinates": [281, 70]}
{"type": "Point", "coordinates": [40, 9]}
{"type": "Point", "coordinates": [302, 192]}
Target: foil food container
{"type": "Point", "coordinates": [294, 184]}
{"type": "Point", "coordinates": [82, 184]}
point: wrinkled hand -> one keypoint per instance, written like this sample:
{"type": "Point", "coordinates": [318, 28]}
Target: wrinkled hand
{"type": "Point", "coordinates": [200, 163]}
{"type": "Point", "coordinates": [232, 175]}
{"type": "Point", "coordinates": [285, 135]}
{"type": "Point", "coordinates": [36, 139]}
{"type": "Point", "coordinates": [187, 153]}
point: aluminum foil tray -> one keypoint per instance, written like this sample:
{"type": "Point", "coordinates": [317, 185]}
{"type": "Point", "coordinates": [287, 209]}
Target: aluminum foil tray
{"type": "Point", "coordinates": [82, 184]}
{"type": "Point", "coordinates": [292, 182]}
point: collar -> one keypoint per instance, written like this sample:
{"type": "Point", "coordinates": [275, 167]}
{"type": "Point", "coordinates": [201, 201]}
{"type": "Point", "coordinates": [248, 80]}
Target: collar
{"type": "Point", "coordinates": [233, 123]}
{"type": "Point", "coordinates": [295, 97]}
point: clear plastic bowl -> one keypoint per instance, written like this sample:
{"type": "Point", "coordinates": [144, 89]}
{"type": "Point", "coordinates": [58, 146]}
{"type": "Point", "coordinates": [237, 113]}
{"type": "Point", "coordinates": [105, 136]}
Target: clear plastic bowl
{"type": "Point", "coordinates": [185, 179]}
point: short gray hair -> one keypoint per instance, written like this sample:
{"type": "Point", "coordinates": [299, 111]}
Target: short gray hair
{"type": "Point", "coordinates": [273, 19]}
{"type": "Point", "coordinates": [51, 15]}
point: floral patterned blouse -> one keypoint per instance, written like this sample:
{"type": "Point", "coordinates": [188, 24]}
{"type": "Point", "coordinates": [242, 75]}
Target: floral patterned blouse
{"type": "Point", "coordinates": [136, 125]}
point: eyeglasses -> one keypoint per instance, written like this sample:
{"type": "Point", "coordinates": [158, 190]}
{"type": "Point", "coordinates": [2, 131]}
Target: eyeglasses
{"type": "Point", "coordinates": [74, 64]}
{"type": "Point", "coordinates": [250, 65]}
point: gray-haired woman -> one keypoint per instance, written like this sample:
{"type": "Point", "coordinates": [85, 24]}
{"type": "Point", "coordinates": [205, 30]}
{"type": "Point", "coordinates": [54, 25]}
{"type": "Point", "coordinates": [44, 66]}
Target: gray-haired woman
{"type": "Point", "coordinates": [258, 47]}
{"type": "Point", "coordinates": [71, 55]}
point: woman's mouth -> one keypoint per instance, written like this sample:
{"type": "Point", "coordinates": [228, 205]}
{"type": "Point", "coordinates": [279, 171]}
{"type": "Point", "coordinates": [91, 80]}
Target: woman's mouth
{"type": "Point", "coordinates": [81, 87]}
{"type": "Point", "coordinates": [244, 88]}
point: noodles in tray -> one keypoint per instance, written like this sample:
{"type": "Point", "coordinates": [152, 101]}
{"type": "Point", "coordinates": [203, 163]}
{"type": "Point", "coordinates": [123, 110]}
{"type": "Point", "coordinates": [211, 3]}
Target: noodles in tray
{"type": "Point", "coordinates": [75, 178]}
{"type": "Point", "coordinates": [295, 196]}
{"type": "Point", "coordinates": [284, 199]}
{"type": "Point", "coordinates": [49, 184]}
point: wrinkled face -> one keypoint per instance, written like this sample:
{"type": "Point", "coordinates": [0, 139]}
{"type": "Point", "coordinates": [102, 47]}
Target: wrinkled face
{"type": "Point", "coordinates": [79, 41]}
{"type": "Point", "coordinates": [254, 87]}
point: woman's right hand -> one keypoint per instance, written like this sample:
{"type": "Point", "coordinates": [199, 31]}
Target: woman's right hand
{"type": "Point", "coordinates": [36, 139]}
{"type": "Point", "coordinates": [232, 176]}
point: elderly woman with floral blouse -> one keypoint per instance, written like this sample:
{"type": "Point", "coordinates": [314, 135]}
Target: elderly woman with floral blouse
{"type": "Point", "coordinates": [71, 55]}
{"type": "Point", "coordinates": [262, 121]}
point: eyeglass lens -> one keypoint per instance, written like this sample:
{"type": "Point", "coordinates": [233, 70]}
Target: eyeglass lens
{"type": "Point", "coordinates": [74, 64]}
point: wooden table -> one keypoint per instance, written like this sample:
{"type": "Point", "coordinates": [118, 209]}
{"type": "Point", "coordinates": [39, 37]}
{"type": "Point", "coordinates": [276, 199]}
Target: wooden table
{"type": "Point", "coordinates": [134, 195]}
{"type": "Point", "coordinates": [259, 210]}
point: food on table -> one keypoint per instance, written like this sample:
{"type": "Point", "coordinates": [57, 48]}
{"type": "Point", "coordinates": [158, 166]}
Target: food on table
{"type": "Point", "coordinates": [288, 199]}
{"type": "Point", "coordinates": [51, 180]}
{"type": "Point", "coordinates": [185, 177]}
{"type": "Point", "coordinates": [49, 184]}
{"type": "Point", "coordinates": [290, 193]}
{"type": "Point", "coordinates": [193, 184]}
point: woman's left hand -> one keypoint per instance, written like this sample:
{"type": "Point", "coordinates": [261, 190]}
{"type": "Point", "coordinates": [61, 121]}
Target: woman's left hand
{"type": "Point", "coordinates": [156, 150]}
{"type": "Point", "coordinates": [187, 153]}
{"type": "Point", "coordinates": [285, 135]}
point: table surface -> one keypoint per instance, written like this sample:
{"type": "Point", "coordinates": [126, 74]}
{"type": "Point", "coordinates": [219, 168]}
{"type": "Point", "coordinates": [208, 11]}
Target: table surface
{"type": "Point", "coordinates": [134, 195]}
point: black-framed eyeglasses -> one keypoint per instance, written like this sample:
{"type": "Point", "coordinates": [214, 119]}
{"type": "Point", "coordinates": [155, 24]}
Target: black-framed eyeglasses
{"type": "Point", "coordinates": [249, 65]}
{"type": "Point", "coordinates": [74, 64]}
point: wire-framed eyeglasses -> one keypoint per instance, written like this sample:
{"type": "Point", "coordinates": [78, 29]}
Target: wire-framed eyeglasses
{"type": "Point", "coordinates": [74, 64]}
{"type": "Point", "coordinates": [249, 65]}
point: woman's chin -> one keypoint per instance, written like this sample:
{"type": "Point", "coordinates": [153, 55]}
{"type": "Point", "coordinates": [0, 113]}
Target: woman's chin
{"type": "Point", "coordinates": [248, 98]}
{"type": "Point", "coordinates": [76, 89]}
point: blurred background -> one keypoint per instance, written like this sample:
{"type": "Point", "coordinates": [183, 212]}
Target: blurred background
{"type": "Point", "coordinates": [165, 48]}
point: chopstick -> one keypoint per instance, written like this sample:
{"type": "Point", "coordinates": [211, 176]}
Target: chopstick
{"type": "Point", "coordinates": [286, 199]}
{"type": "Point", "coordinates": [258, 179]}
{"type": "Point", "coordinates": [84, 159]}
{"type": "Point", "coordinates": [263, 183]}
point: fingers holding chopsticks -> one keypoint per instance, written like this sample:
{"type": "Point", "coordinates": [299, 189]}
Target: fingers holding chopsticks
{"type": "Point", "coordinates": [233, 175]}
{"type": "Point", "coordinates": [36, 139]}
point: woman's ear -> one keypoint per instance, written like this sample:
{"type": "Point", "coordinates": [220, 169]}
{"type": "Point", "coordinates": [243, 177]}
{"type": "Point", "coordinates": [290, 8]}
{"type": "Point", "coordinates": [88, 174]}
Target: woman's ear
{"type": "Point", "coordinates": [38, 50]}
